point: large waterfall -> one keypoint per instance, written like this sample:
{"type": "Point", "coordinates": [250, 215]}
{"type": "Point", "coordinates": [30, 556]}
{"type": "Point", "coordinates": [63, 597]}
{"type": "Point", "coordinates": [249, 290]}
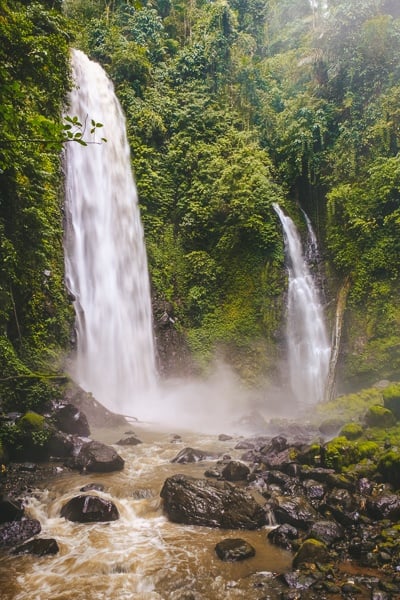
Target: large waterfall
{"type": "Point", "coordinates": [307, 341]}
{"type": "Point", "coordinates": [105, 257]}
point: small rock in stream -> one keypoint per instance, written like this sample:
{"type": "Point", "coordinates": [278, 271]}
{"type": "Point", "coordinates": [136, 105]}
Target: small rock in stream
{"type": "Point", "coordinates": [234, 549]}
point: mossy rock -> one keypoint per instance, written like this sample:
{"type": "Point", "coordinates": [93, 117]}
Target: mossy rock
{"type": "Point", "coordinates": [391, 399]}
{"type": "Point", "coordinates": [352, 431]}
{"type": "Point", "coordinates": [311, 551]}
{"type": "Point", "coordinates": [379, 416]}
{"type": "Point", "coordinates": [340, 452]}
{"type": "Point", "coordinates": [389, 467]}
{"type": "Point", "coordinates": [32, 421]}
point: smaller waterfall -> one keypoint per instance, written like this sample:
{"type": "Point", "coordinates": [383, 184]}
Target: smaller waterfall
{"type": "Point", "coordinates": [307, 340]}
{"type": "Point", "coordinates": [105, 257]}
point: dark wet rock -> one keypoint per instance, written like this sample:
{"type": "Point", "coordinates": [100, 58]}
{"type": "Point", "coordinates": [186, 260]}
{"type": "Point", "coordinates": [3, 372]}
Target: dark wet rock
{"type": "Point", "coordinates": [97, 415]}
{"type": "Point", "coordinates": [89, 509]}
{"type": "Point", "coordinates": [62, 445]}
{"type": "Point", "coordinates": [69, 419]}
{"type": "Point", "coordinates": [129, 441]}
{"type": "Point", "coordinates": [191, 455]}
{"type": "Point", "coordinates": [364, 486]}
{"type": "Point", "coordinates": [213, 473]}
{"type": "Point", "coordinates": [314, 490]}
{"type": "Point", "coordinates": [99, 487]}
{"type": "Point", "coordinates": [17, 532]}
{"type": "Point", "coordinates": [234, 549]}
{"type": "Point", "coordinates": [210, 503]}
{"type": "Point", "coordinates": [277, 444]}
{"type": "Point", "coordinates": [283, 536]}
{"type": "Point", "coordinates": [343, 506]}
{"type": "Point", "coordinates": [316, 473]}
{"type": "Point", "coordinates": [223, 437]}
{"type": "Point", "coordinates": [350, 589]}
{"type": "Point", "coordinates": [385, 506]}
{"type": "Point", "coordinates": [235, 471]}
{"type": "Point", "coordinates": [295, 511]}
{"type": "Point", "coordinates": [10, 510]}
{"type": "Point", "coordinates": [311, 551]}
{"type": "Point", "coordinates": [297, 580]}
{"type": "Point", "coordinates": [38, 547]}
{"type": "Point", "coordinates": [289, 486]}
{"type": "Point", "coordinates": [277, 460]}
{"type": "Point", "coordinates": [98, 458]}
{"type": "Point", "coordinates": [326, 531]}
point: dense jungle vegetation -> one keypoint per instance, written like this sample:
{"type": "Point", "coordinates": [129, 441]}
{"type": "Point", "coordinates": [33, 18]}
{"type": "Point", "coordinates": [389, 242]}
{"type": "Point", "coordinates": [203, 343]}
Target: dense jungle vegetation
{"type": "Point", "coordinates": [231, 105]}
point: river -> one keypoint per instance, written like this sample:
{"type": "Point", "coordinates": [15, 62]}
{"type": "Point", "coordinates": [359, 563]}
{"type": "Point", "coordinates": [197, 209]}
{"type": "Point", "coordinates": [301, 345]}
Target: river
{"type": "Point", "coordinates": [141, 556]}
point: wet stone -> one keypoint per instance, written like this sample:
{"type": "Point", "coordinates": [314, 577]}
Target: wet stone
{"type": "Point", "coordinates": [89, 509]}
{"type": "Point", "coordinates": [17, 532]}
{"type": "Point", "coordinates": [235, 471]}
{"type": "Point", "coordinates": [99, 487]}
{"type": "Point", "coordinates": [10, 510]}
{"type": "Point", "coordinates": [234, 550]}
{"type": "Point", "coordinates": [38, 547]}
{"type": "Point", "coordinates": [191, 455]}
{"type": "Point", "coordinates": [129, 441]}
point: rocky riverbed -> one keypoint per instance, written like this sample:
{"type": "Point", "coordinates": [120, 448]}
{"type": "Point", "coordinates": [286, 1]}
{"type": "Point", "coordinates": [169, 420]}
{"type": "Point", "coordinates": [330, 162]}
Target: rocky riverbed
{"type": "Point", "coordinates": [335, 514]}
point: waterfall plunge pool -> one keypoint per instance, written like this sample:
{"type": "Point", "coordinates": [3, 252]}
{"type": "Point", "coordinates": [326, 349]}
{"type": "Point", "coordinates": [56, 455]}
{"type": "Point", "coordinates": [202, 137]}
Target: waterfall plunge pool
{"type": "Point", "coordinates": [142, 556]}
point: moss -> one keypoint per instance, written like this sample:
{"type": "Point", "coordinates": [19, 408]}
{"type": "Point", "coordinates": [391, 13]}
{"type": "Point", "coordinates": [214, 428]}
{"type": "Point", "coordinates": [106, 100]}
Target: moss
{"type": "Point", "coordinates": [351, 431]}
{"type": "Point", "coordinates": [379, 416]}
{"type": "Point", "coordinates": [389, 467]}
{"type": "Point", "coordinates": [391, 399]}
{"type": "Point", "coordinates": [350, 407]}
{"type": "Point", "coordinates": [31, 421]}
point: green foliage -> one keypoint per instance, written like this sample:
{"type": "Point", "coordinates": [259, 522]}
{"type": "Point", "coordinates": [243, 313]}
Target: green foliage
{"type": "Point", "coordinates": [34, 313]}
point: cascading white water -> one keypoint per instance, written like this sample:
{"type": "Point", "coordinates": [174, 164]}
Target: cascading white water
{"type": "Point", "coordinates": [105, 257]}
{"type": "Point", "coordinates": [307, 340]}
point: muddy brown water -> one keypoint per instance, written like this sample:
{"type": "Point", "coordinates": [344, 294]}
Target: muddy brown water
{"type": "Point", "coordinates": [142, 556]}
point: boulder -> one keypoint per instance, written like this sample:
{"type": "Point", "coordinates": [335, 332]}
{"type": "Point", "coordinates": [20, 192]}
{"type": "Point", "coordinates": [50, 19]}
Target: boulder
{"type": "Point", "coordinates": [38, 547]}
{"type": "Point", "coordinates": [17, 532]}
{"type": "Point", "coordinates": [97, 457]}
{"type": "Point", "coordinates": [89, 509]}
{"type": "Point", "coordinates": [283, 535]}
{"type": "Point", "coordinates": [210, 503]}
{"type": "Point", "coordinates": [314, 490]}
{"type": "Point", "coordinates": [223, 437]}
{"type": "Point", "coordinates": [191, 455]}
{"type": "Point", "coordinates": [129, 441]}
{"type": "Point", "coordinates": [10, 510]}
{"type": "Point", "coordinates": [385, 506]}
{"type": "Point", "coordinates": [69, 419]}
{"type": "Point", "coordinates": [311, 551]}
{"type": "Point", "coordinates": [343, 506]}
{"type": "Point", "coordinates": [326, 531]}
{"type": "Point", "coordinates": [62, 445]}
{"type": "Point", "coordinates": [235, 471]}
{"type": "Point", "coordinates": [234, 549]}
{"type": "Point", "coordinates": [295, 511]}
